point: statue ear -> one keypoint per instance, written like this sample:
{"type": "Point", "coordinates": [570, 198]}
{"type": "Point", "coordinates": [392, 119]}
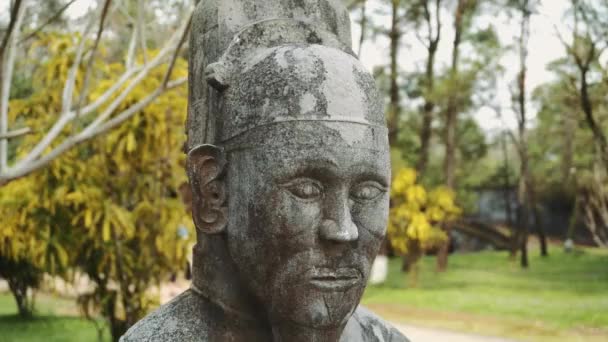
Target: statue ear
{"type": "Point", "coordinates": [217, 75]}
{"type": "Point", "coordinates": [205, 167]}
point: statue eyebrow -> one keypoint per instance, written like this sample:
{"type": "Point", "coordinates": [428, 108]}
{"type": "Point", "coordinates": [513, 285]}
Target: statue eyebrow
{"type": "Point", "coordinates": [374, 176]}
{"type": "Point", "coordinates": [324, 161]}
{"type": "Point", "coordinates": [316, 165]}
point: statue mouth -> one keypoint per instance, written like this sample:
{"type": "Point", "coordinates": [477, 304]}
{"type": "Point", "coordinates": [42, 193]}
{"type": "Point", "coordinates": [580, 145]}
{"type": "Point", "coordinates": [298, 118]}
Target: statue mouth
{"type": "Point", "coordinates": [340, 279]}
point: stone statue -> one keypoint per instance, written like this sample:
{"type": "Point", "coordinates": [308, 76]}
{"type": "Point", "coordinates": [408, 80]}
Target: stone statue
{"type": "Point", "coordinates": [290, 173]}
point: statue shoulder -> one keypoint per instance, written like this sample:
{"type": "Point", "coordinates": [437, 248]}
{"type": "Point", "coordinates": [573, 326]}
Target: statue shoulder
{"type": "Point", "coordinates": [366, 326]}
{"type": "Point", "coordinates": [178, 320]}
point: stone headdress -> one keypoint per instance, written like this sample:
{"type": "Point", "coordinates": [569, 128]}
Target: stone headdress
{"type": "Point", "coordinates": [256, 64]}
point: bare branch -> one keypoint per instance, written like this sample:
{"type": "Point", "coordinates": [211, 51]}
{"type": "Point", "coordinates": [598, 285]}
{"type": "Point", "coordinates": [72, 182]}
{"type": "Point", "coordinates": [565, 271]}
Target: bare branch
{"type": "Point", "coordinates": [354, 3]}
{"type": "Point", "coordinates": [140, 77]}
{"type": "Point", "coordinates": [68, 89]}
{"type": "Point", "coordinates": [130, 59]}
{"type": "Point", "coordinates": [71, 142]}
{"type": "Point", "coordinates": [89, 68]}
{"type": "Point", "coordinates": [427, 18]}
{"type": "Point", "coordinates": [140, 29]}
{"type": "Point", "coordinates": [7, 64]}
{"type": "Point", "coordinates": [437, 21]}
{"type": "Point", "coordinates": [125, 13]}
{"type": "Point", "coordinates": [136, 108]}
{"type": "Point", "coordinates": [50, 20]}
{"type": "Point", "coordinates": [16, 133]}
{"type": "Point", "coordinates": [108, 119]}
{"type": "Point", "coordinates": [66, 118]}
{"type": "Point", "coordinates": [421, 39]}
{"type": "Point", "coordinates": [498, 110]}
{"type": "Point", "coordinates": [67, 115]}
{"type": "Point", "coordinates": [363, 26]}
{"type": "Point", "coordinates": [176, 52]}
{"type": "Point", "coordinates": [66, 103]}
{"type": "Point", "coordinates": [11, 26]}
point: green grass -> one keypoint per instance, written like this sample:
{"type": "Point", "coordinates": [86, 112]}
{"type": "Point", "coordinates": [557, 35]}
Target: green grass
{"type": "Point", "coordinates": [558, 294]}
{"type": "Point", "coordinates": [560, 298]}
{"type": "Point", "coordinates": [54, 322]}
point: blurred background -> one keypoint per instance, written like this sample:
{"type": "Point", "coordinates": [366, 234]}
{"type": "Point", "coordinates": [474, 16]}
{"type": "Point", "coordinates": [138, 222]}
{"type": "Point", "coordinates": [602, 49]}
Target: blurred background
{"type": "Point", "coordinates": [498, 122]}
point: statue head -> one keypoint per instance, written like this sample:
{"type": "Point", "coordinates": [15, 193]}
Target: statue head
{"type": "Point", "coordinates": [294, 179]}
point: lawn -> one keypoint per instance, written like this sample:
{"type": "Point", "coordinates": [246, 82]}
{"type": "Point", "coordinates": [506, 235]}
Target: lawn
{"type": "Point", "coordinates": [562, 297]}
{"type": "Point", "coordinates": [54, 322]}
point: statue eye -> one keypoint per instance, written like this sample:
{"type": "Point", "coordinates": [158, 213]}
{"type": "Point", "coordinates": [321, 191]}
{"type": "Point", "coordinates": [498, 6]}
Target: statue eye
{"type": "Point", "coordinates": [367, 191]}
{"type": "Point", "coordinates": [306, 189]}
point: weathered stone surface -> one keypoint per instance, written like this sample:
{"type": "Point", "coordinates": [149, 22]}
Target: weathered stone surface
{"type": "Point", "coordinates": [217, 22]}
{"type": "Point", "coordinates": [182, 320]}
{"type": "Point", "coordinates": [290, 188]}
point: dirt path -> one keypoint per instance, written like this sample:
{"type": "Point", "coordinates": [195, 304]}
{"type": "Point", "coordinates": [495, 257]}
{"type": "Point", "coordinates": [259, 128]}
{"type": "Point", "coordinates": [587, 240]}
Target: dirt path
{"type": "Point", "coordinates": [419, 334]}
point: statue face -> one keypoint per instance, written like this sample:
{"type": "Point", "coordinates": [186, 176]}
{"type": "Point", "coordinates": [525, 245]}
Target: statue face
{"type": "Point", "coordinates": [306, 219]}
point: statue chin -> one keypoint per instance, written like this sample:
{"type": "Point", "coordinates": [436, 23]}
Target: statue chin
{"type": "Point", "coordinates": [307, 306]}
{"type": "Point", "coordinates": [323, 312]}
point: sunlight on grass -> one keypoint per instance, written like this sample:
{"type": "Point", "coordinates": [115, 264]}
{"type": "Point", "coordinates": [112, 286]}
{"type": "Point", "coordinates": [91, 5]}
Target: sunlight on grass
{"type": "Point", "coordinates": [558, 293]}
{"type": "Point", "coordinates": [55, 321]}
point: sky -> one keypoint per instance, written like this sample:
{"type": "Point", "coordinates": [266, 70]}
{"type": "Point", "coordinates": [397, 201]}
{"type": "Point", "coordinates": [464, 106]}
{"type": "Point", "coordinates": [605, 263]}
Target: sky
{"type": "Point", "coordinates": [544, 48]}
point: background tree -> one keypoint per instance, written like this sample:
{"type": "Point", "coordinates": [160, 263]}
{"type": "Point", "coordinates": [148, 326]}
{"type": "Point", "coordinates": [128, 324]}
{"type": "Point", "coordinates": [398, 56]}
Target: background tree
{"type": "Point", "coordinates": [415, 216]}
{"type": "Point", "coordinates": [109, 209]}
{"type": "Point", "coordinates": [586, 49]}
{"type": "Point", "coordinates": [74, 107]}
{"type": "Point", "coordinates": [429, 13]}
{"type": "Point", "coordinates": [23, 279]}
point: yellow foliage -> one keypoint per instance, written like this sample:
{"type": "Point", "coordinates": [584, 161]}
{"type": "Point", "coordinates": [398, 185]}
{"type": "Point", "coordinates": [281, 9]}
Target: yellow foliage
{"type": "Point", "coordinates": [113, 201]}
{"type": "Point", "coordinates": [416, 214]}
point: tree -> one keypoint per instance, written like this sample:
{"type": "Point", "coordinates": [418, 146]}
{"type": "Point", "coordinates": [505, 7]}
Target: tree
{"type": "Point", "coordinates": [586, 49]}
{"type": "Point", "coordinates": [554, 163]}
{"type": "Point", "coordinates": [110, 208]}
{"type": "Point", "coordinates": [23, 278]}
{"type": "Point", "coordinates": [463, 15]}
{"type": "Point", "coordinates": [363, 20]}
{"type": "Point", "coordinates": [74, 105]}
{"type": "Point", "coordinates": [394, 35]}
{"type": "Point", "coordinates": [416, 214]}
{"type": "Point", "coordinates": [425, 15]}
{"type": "Point", "coordinates": [582, 178]}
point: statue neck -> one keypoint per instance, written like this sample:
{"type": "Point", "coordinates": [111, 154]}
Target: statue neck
{"type": "Point", "coordinates": [296, 333]}
{"type": "Point", "coordinates": [215, 277]}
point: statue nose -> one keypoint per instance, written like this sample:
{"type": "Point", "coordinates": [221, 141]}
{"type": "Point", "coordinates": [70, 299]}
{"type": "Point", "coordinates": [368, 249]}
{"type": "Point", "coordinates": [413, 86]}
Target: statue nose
{"type": "Point", "coordinates": [340, 226]}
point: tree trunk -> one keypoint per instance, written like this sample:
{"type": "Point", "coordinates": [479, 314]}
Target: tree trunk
{"type": "Point", "coordinates": [429, 105]}
{"type": "Point", "coordinates": [449, 166]}
{"type": "Point", "coordinates": [427, 114]}
{"type": "Point", "coordinates": [574, 217]}
{"type": "Point", "coordinates": [569, 125]}
{"type": "Point", "coordinates": [414, 253]}
{"type": "Point", "coordinates": [524, 198]}
{"type": "Point", "coordinates": [452, 110]}
{"type": "Point", "coordinates": [524, 214]}
{"type": "Point", "coordinates": [395, 105]}
{"type": "Point", "coordinates": [363, 26]}
{"type": "Point", "coordinates": [538, 220]}
{"type": "Point", "coordinates": [586, 104]}
{"type": "Point", "coordinates": [24, 303]}
{"type": "Point", "coordinates": [507, 182]}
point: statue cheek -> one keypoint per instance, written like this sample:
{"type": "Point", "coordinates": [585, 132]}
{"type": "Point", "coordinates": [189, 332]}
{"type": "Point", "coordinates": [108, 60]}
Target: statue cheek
{"type": "Point", "coordinates": [294, 218]}
{"type": "Point", "coordinates": [372, 218]}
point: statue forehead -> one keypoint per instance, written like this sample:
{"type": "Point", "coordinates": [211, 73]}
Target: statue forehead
{"type": "Point", "coordinates": [292, 137]}
{"type": "Point", "coordinates": [300, 83]}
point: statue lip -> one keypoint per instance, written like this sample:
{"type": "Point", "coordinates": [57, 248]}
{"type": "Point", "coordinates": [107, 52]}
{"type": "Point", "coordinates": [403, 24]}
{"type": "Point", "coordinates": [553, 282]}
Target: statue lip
{"type": "Point", "coordinates": [330, 279]}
